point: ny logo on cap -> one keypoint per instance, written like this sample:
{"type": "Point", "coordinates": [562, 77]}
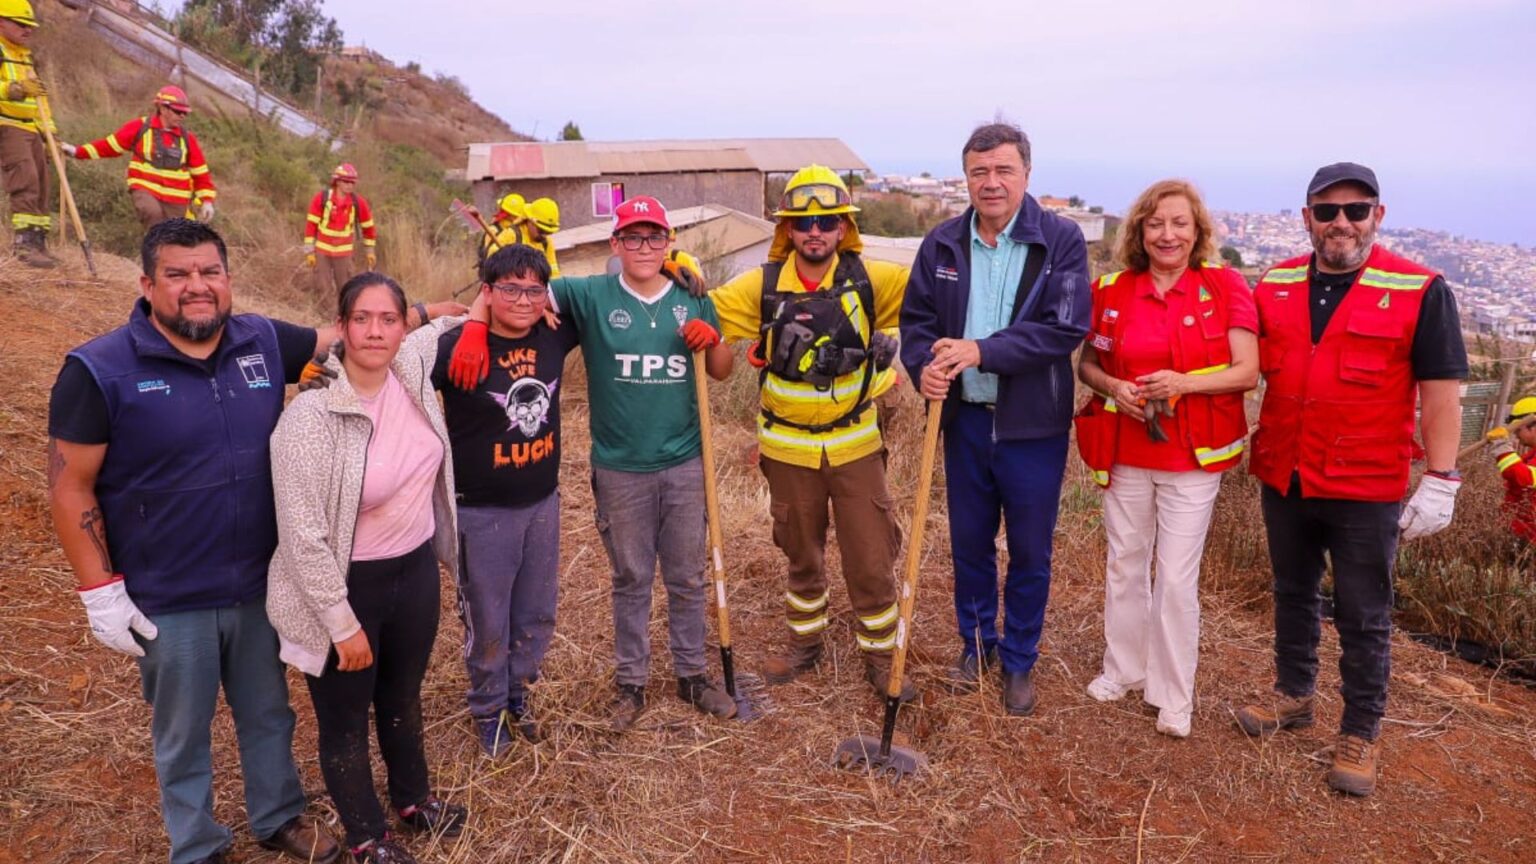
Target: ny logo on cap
{"type": "Point", "coordinates": [642, 207]}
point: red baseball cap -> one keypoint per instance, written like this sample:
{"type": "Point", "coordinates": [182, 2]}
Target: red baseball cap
{"type": "Point", "coordinates": [641, 208]}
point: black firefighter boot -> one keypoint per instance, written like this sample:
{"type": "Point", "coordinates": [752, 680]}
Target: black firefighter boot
{"type": "Point", "coordinates": [31, 248]}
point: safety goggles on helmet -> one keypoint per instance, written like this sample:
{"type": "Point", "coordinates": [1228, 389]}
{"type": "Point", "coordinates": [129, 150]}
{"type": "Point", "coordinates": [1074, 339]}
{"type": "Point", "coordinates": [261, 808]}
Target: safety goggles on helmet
{"type": "Point", "coordinates": [827, 222]}
{"type": "Point", "coordinates": [824, 195]}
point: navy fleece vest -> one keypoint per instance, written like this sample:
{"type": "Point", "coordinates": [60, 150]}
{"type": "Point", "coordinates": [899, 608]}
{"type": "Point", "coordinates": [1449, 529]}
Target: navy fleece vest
{"type": "Point", "coordinates": [186, 487]}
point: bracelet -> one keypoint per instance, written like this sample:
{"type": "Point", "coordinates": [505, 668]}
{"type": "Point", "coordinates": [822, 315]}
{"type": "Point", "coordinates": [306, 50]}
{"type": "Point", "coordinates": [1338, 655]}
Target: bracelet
{"type": "Point", "coordinates": [1453, 475]}
{"type": "Point", "coordinates": [421, 310]}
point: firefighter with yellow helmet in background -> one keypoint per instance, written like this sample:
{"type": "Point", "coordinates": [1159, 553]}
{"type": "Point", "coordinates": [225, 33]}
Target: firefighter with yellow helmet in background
{"type": "Point", "coordinates": [1514, 453]}
{"type": "Point", "coordinates": [507, 225]}
{"type": "Point", "coordinates": [336, 216]}
{"type": "Point", "coordinates": [825, 322]}
{"type": "Point", "coordinates": [541, 219]}
{"type": "Point", "coordinates": [23, 160]}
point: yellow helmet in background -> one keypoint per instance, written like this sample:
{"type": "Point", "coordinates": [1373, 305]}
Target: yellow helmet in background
{"type": "Point", "coordinates": [544, 213]}
{"type": "Point", "coordinates": [19, 11]}
{"type": "Point", "coordinates": [512, 206]}
{"type": "Point", "coordinates": [812, 190]}
{"type": "Point", "coordinates": [1521, 409]}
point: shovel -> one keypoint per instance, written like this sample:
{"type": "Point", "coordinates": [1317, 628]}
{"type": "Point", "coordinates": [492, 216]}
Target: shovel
{"type": "Point", "coordinates": [45, 123]}
{"type": "Point", "coordinates": [865, 751]}
{"type": "Point", "coordinates": [744, 709]}
{"type": "Point", "coordinates": [1479, 443]}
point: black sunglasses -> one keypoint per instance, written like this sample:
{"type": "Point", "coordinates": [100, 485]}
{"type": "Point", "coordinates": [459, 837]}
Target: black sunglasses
{"type": "Point", "coordinates": [633, 242]}
{"type": "Point", "coordinates": [1355, 211]}
{"type": "Point", "coordinates": [827, 222]}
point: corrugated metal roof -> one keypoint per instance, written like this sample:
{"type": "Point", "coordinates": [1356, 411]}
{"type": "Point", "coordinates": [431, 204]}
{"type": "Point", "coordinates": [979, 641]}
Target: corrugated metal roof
{"type": "Point", "coordinates": [538, 160]}
{"type": "Point", "coordinates": [682, 219]}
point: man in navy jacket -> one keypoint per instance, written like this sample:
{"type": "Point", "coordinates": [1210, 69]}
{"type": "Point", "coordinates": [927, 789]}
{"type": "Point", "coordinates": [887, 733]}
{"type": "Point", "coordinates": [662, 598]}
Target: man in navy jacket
{"type": "Point", "coordinates": [997, 302]}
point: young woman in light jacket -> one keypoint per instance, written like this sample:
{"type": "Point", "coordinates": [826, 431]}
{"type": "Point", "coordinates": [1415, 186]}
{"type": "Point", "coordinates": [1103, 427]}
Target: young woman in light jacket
{"type": "Point", "coordinates": [363, 482]}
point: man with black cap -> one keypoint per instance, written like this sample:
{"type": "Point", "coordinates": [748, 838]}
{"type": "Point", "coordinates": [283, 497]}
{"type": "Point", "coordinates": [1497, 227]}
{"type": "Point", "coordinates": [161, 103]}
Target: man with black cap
{"type": "Point", "coordinates": [1351, 337]}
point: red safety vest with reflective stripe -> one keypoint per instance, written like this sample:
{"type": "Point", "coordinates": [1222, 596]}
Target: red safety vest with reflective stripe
{"type": "Point", "coordinates": [1341, 412]}
{"type": "Point", "coordinates": [1216, 424]}
{"type": "Point", "coordinates": [330, 226]}
{"type": "Point", "coordinates": [1519, 475]}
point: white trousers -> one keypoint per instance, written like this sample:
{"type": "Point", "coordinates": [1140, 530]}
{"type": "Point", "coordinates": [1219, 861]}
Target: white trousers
{"type": "Point", "coordinates": [1152, 627]}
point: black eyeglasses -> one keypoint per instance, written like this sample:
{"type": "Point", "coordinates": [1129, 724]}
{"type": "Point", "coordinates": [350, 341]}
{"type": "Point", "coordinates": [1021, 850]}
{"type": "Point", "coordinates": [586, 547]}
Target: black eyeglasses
{"type": "Point", "coordinates": [633, 242]}
{"type": "Point", "coordinates": [1355, 211]}
{"type": "Point", "coordinates": [826, 222]}
{"type": "Point", "coordinates": [513, 290]}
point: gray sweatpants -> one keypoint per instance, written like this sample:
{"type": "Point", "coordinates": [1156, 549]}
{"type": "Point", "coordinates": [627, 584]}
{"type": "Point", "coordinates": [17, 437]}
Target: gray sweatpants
{"type": "Point", "coordinates": [643, 518]}
{"type": "Point", "coordinates": [509, 561]}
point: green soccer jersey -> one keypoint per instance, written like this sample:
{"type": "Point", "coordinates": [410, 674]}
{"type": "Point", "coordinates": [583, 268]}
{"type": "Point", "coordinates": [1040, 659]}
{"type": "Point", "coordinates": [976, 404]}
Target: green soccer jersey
{"type": "Point", "coordinates": [640, 390]}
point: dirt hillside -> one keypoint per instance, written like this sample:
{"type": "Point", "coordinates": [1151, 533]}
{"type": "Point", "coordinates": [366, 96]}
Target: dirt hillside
{"type": "Point", "coordinates": [1079, 781]}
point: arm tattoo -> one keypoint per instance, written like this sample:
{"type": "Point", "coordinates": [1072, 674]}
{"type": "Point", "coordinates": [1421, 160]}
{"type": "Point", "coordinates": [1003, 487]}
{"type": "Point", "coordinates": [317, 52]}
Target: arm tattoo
{"type": "Point", "coordinates": [55, 464]}
{"type": "Point", "coordinates": [93, 526]}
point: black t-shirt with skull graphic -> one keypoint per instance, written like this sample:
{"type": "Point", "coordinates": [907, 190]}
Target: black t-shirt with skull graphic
{"type": "Point", "coordinates": [506, 434]}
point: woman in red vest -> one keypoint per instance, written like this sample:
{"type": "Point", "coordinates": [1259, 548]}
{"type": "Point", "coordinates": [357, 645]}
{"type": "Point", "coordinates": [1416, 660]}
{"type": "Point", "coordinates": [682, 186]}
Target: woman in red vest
{"type": "Point", "coordinates": [1172, 348]}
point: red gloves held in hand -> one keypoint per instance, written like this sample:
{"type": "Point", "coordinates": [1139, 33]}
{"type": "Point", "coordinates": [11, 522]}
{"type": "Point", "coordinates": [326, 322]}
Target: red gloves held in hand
{"type": "Point", "coordinates": [471, 360]}
{"type": "Point", "coordinates": [698, 335]}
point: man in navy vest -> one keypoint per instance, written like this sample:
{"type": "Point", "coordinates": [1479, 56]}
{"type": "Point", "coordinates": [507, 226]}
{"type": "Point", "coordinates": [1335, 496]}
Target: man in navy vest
{"type": "Point", "coordinates": [997, 302]}
{"type": "Point", "coordinates": [160, 483]}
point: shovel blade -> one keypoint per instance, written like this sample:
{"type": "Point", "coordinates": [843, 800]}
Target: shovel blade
{"type": "Point", "coordinates": [862, 753]}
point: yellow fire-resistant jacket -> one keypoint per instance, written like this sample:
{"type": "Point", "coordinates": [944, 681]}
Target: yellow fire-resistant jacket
{"type": "Point", "coordinates": [16, 65]}
{"type": "Point", "coordinates": [739, 304]}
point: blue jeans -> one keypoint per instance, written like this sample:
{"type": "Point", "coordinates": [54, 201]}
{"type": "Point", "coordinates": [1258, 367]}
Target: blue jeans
{"type": "Point", "coordinates": [646, 519]}
{"type": "Point", "coordinates": [509, 567]}
{"type": "Point", "coordinates": [1016, 483]}
{"type": "Point", "coordinates": [182, 670]}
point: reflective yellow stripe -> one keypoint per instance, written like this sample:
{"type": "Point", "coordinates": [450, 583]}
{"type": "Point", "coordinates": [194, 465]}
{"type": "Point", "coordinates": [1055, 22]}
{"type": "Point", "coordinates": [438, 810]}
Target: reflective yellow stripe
{"type": "Point", "coordinates": [1207, 456]}
{"type": "Point", "coordinates": [117, 149]}
{"type": "Point", "coordinates": [370, 242]}
{"type": "Point", "coordinates": [806, 628]}
{"type": "Point", "coordinates": [1393, 281]}
{"type": "Point", "coordinates": [881, 620]}
{"type": "Point", "coordinates": [869, 644]}
{"type": "Point", "coordinates": [845, 388]}
{"type": "Point", "coordinates": [141, 183]}
{"type": "Point", "coordinates": [368, 224]}
{"type": "Point", "coordinates": [1109, 279]}
{"type": "Point", "coordinates": [790, 437]}
{"type": "Point", "coordinates": [31, 220]}
{"type": "Point", "coordinates": [799, 604]}
{"type": "Point", "coordinates": [1286, 276]}
{"type": "Point", "coordinates": [315, 219]}
{"type": "Point", "coordinates": [1110, 406]}
{"type": "Point", "coordinates": [1220, 367]}
{"type": "Point", "coordinates": [1508, 460]}
{"type": "Point", "coordinates": [331, 247]}
{"type": "Point", "coordinates": [1101, 478]}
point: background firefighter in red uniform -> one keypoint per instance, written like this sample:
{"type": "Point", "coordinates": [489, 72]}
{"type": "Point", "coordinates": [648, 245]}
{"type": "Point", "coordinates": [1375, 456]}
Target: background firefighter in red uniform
{"type": "Point", "coordinates": [166, 171]}
{"type": "Point", "coordinates": [1351, 338]}
{"type": "Point", "coordinates": [335, 216]}
{"type": "Point", "coordinates": [1518, 468]}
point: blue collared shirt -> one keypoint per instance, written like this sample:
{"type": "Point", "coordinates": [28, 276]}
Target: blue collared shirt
{"type": "Point", "coordinates": [995, 274]}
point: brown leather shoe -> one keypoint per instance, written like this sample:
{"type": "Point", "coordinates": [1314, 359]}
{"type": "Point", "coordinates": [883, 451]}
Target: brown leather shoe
{"type": "Point", "coordinates": [794, 660]}
{"type": "Point", "coordinates": [303, 838]}
{"type": "Point", "coordinates": [701, 693]}
{"type": "Point", "coordinates": [628, 705]}
{"type": "Point", "coordinates": [877, 671]}
{"type": "Point", "coordinates": [1281, 712]}
{"type": "Point", "coordinates": [1019, 693]}
{"type": "Point", "coordinates": [1354, 766]}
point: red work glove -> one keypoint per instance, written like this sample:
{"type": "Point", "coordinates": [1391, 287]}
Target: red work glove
{"type": "Point", "coordinates": [698, 335]}
{"type": "Point", "coordinates": [316, 375]}
{"type": "Point", "coordinates": [471, 360]}
{"type": "Point", "coordinates": [755, 355]}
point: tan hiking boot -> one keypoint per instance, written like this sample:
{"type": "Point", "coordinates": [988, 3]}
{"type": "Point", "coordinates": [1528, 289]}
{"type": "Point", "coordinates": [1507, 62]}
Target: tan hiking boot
{"type": "Point", "coordinates": [1281, 712]}
{"type": "Point", "coordinates": [1354, 765]}
{"type": "Point", "coordinates": [877, 671]}
{"type": "Point", "coordinates": [794, 660]}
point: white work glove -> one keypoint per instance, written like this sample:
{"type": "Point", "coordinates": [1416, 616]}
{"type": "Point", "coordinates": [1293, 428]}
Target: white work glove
{"type": "Point", "coordinates": [113, 615]}
{"type": "Point", "coordinates": [1430, 508]}
{"type": "Point", "coordinates": [68, 149]}
{"type": "Point", "coordinates": [205, 213]}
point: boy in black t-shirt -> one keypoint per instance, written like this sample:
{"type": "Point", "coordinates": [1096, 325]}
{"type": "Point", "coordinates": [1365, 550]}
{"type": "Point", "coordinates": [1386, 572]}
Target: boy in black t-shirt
{"type": "Point", "coordinates": [505, 436]}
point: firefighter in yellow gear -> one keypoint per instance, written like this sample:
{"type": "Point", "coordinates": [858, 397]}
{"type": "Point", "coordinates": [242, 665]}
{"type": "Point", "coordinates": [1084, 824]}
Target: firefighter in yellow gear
{"type": "Point", "coordinates": [541, 219]}
{"type": "Point", "coordinates": [23, 159]}
{"type": "Point", "coordinates": [507, 225]}
{"type": "Point", "coordinates": [825, 324]}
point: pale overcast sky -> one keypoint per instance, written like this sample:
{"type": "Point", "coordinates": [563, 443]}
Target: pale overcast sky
{"type": "Point", "coordinates": [1245, 98]}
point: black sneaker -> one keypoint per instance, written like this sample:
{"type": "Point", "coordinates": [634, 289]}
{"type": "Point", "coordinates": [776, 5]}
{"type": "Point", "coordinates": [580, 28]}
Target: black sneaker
{"type": "Point", "coordinates": [495, 737]}
{"type": "Point", "coordinates": [436, 816]}
{"type": "Point", "coordinates": [384, 851]}
{"type": "Point", "coordinates": [702, 694]}
{"type": "Point", "coordinates": [627, 706]}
